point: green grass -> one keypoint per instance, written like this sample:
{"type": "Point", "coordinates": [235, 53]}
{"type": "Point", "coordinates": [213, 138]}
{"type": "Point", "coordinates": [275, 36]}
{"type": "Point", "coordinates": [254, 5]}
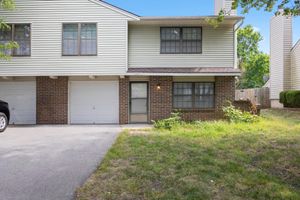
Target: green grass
{"type": "Point", "coordinates": [209, 160]}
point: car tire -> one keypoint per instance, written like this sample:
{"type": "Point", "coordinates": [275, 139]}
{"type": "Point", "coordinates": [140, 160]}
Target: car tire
{"type": "Point", "coordinates": [3, 122]}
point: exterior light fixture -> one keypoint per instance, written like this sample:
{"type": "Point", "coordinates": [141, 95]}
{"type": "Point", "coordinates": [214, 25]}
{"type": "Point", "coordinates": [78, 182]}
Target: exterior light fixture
{"type": "Point", "coordinates": [158, 87]}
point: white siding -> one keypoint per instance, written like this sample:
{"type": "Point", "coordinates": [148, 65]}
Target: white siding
{"type": "Point", "coordinates": [281, 43]}
{"type": "Point", "coordinates": [144, 49]}
{"type": "Point", "coordinates": [296, 66]}
{"type": "Point", "coordinates": [46, 18]}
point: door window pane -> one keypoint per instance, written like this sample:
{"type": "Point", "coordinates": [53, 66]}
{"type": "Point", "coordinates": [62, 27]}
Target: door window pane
{"type": "Point", "coordinates": [88, 37]}
{"type": "Point", "coordinates": [139, 90]}
{"type": "Point", "coordinates": [139, 106]}
{"type": "Point", "coordinates": [70, 39]}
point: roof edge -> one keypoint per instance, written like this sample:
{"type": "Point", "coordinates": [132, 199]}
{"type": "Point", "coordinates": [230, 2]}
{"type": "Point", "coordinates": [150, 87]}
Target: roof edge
{"type": "Point", "coordinates": [116, 9]}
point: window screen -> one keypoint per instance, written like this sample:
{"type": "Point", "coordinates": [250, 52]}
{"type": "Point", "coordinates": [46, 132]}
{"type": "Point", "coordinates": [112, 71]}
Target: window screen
{"type": "Point", "coordinates": [80, 39]}
{"type": "Point", "coordinates": [176, 40]}
{"type": "Point", "coordinates": [70, 39]}
{"type": "Point", "coordinates": [22, 37]}
{"type": "Point", "coordinates": [5, 38]}
{"type": "Point", "coordinates": [19, 33]}
{"type": "Point", "coordinates": [88, 38]}
{"type": "Point", "coordinates": [193, 95]}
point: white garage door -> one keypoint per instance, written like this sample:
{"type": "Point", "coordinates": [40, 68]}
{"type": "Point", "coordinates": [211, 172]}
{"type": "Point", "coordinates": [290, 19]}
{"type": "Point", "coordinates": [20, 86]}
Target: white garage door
{"type": "Point", "coordinates": [94, 102]}
{"type": "Point", "coordinates": [21, 97]}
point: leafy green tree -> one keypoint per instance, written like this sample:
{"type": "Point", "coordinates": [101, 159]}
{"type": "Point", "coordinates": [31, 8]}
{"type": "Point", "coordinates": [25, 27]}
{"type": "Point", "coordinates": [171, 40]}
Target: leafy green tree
{"type": "Point", "coordinates": [285, 7]}
{"type": "Point", "coordinates": [255, 70]}
{"type": "Point", "coordinates": [289, 7]}
{"type": "Point", "coordinates": [253, 63]}
{"type": "Point", "coordinates": [6, 5]}
{"type": "Point", "coordinates": [248, 44]}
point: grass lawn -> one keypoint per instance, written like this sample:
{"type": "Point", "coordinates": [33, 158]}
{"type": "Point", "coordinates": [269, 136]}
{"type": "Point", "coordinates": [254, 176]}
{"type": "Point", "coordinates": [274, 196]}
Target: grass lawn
{"type": "Point", "coordinates": [209, 160]}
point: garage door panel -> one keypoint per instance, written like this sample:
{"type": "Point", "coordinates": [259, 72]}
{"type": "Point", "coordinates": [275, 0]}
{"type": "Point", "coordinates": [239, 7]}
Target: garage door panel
{"type": "Point", "coordinates": [94, 102]}
{"type": "Point", "coordinates": [21, 97]}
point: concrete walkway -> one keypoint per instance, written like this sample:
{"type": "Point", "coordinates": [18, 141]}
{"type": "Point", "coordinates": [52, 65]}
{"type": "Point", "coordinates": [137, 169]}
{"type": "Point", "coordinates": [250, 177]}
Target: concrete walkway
{"type": "Point", "coordinates": [50, 162]}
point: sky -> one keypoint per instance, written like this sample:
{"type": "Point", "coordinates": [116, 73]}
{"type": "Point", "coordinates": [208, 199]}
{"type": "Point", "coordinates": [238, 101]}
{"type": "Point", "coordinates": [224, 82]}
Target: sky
{"type": "Point", "coordinates": [258, 19]}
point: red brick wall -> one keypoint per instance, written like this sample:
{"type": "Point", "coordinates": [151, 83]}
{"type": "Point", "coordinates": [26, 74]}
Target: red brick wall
{"type": "Point", "coordinates": [124, 100]}
{"type": "Point", "coordinates": [52, 100]}
{"type": "Point", "coordinates": [161, 100]}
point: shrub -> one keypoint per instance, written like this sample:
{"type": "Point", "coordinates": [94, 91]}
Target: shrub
{"type": "Point", "coordinates": [168, 123]}
{"type": "Point", "coordinates": [290, 98]}
{"type": "Point", "coordinates": [282, 97]}
{"type": "Point", "coordinates": [235, 115]}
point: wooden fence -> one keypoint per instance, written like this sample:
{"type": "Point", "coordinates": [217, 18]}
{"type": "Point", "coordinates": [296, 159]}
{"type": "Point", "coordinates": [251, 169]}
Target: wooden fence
{"type": "Point", "coordinates": [258, 96]}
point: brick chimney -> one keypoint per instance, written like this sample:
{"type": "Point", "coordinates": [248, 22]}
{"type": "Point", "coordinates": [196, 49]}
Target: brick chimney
{"type": "Point", "coordinates": [224, 5]}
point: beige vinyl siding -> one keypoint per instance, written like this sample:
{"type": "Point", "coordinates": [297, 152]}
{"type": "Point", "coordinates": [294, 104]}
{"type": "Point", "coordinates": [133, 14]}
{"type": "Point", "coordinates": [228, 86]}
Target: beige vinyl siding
{"type": "Point", "coordinates": [296, 66]}
{"type": "Point", "coordinates": [46, 18]}
{"type": "Point", "coordinates": [281, 43]}
{"type": "Point", "coordinates": [144, 49]}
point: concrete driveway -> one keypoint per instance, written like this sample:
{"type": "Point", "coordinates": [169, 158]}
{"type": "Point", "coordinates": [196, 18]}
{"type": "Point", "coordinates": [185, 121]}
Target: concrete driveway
{"type": "Point", "coordinates": [50, 162]}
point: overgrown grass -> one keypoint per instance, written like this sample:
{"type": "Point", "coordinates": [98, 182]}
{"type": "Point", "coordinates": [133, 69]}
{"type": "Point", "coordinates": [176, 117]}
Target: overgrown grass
{"type": "Point", "coordinates": [208, 160]}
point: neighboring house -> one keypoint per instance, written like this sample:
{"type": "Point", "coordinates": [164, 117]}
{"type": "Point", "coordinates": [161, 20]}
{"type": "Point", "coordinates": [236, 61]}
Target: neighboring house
{"type": "Point", "coordinates": [88, 62]}
{"type": "Point", "coordinates": [284, 59]}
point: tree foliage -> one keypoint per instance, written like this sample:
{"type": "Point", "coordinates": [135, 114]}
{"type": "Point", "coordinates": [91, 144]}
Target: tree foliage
{"type": "Point", "coordinates": [289, 7]}
{"type": "Point", "coordinates": [284, 7]}
{"type": "Point", "coordinates": [253, 63]}
{"type": "Point", "coordinates": [6, 5]}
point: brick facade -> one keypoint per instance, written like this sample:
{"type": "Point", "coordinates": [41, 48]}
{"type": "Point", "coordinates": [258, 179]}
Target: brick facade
{"type": "Point", "coordinates": [124, 100]}
{"type": "Point", "coordinates": [161, 100]}
{"type": "Point", "coordinates": [52, 100]}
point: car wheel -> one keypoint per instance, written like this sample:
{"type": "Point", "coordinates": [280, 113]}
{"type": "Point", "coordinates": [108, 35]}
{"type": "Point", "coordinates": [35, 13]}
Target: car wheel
{"type": "Point", "coordinates": [3, 122]}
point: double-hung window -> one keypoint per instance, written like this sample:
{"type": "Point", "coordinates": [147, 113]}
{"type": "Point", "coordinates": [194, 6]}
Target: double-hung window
{"type": "Point", "coordinates": [19, 33]}
{"type": "Point", "coordinates": [181, 40]}
{"type": "Point", "coordinates": [193, 95]}
{"type": "Point", "coordinates": [79, 39]}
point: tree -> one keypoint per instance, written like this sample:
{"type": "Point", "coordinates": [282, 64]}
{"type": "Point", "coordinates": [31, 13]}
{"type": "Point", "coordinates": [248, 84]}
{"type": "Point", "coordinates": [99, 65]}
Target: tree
{"type": "Point", "coordinates": [284, 7]}
{"type": "Point", "coordinates": [253, 63]}
{"type": "Point", "coordinates": [248, 44]}
{"type": "Point", "coordinates": [6, 47]}
{"type": "Point", "coordinates": [255, 71]}
{"type": "Point", "coordinates": [289, 7]}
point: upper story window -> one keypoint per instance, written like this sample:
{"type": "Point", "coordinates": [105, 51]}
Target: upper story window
{"type": "Point", "coordinates": [193, 95]}
{"type": "Point", "coordinates": [79, 39]}
{"type": "Point", "coordinates": [181, 40]}
{"type": "Point", "coordinates": [19, 33]}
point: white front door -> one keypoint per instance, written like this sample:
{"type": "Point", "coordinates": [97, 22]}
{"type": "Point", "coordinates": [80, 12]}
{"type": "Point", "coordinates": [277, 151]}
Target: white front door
{"type": "Point", "coordinates": [21, 97]}
{"type": "Point", "coordinates": [94, 102]}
